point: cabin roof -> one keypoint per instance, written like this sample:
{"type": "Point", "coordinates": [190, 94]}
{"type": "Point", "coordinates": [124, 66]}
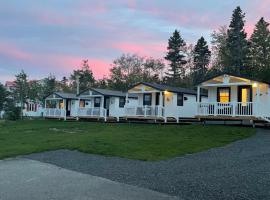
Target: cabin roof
{"type": "Point", "coordinates": [162, 87]}
{"type": "Point", "coordinates": [112, 93]}
{"type": "Point", "coordinates": [236, 75]}
{"type": "Point", "coordinates": [65, 95]}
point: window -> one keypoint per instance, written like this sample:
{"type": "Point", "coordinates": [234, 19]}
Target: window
{"type": "Point", "coordinates": [122, 102]}
{"type": "Point", "coordinates": [223, 95]}
{"type": "Point", "coordinates": [82, 104]}
{"type": "Point", "coordinates": [180, 100]}
{"type": "Point", "coordinates": [147, 99]}
{"type": "Point", "coordinates": [97, 101]}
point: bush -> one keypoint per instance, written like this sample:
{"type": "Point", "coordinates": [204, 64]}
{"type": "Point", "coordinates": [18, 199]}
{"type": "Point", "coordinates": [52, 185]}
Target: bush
{"type": "Point", "coordinates": [12, 112]}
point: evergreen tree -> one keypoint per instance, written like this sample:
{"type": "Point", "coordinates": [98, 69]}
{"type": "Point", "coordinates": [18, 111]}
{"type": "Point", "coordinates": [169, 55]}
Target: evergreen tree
{"type": "Point", "coordinates": [237, 44]}
{"type": "Point", "coordinates": [3, 97]}
{"type": "Point", "coordinates": [21, 89]}
{"type": "Point", "coordinates": [201, 59]}
{"type": "Point", "coordinates": [176, 57]}
{"type": "Point", "coordinates": [260, 50]}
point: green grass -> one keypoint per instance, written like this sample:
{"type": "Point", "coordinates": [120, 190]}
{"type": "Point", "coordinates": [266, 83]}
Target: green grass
{"type": "Point", "coordinates": [134, 141]}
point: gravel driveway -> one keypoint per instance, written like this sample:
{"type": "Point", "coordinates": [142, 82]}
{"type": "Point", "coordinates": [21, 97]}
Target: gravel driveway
{"type": "Point", "coordinates": [240, 170]}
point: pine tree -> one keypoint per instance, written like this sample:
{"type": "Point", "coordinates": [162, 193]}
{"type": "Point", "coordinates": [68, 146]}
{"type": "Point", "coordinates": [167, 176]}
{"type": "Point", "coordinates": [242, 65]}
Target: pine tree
{"type": "Point", "coordinates": [176, 57]}
{"type": "Point", "coordinates": [201, 59]}
{"type": "Point", "coordinates": [237, 44]}
{"type": "Point", "coordinates": [260, 50]}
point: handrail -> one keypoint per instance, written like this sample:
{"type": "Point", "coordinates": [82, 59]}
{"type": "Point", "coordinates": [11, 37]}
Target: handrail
{"type": "Point", "coordinates": [227, 109]}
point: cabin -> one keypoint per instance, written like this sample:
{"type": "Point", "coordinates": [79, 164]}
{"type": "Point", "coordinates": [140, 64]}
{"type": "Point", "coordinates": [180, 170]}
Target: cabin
{"type": "Point", "coordinates": [32, 109]}
{"type": "Point", "coordinates": [96, 103]}
{"type": "Point", "coordinates": [61, 105]}
{"type": "Point", "coordinates": [234, 97]}
{"type": "Point", "coordinates": [162, 102]}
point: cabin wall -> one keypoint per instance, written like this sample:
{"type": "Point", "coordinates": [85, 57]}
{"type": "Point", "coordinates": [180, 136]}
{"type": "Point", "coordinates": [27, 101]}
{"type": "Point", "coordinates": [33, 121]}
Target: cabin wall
{"type": "Point", "coordinates": [188, 110]}
{"type": "Point", "coordinates": [115, 110]}
{"type": "Point", "coordinates": [74, 108]}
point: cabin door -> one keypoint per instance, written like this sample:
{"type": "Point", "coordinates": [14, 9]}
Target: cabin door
{"type": "Point", "coordinates": [68, 107]}
{"type": "Point", "coordinates": [245, 99]}
{"type": "Point", "coordinates": [107, 105]}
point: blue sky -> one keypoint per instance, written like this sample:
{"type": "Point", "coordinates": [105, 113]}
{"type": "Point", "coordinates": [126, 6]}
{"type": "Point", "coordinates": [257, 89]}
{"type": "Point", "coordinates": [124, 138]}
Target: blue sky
{"type": "Point", "coordinates": [44, 37]}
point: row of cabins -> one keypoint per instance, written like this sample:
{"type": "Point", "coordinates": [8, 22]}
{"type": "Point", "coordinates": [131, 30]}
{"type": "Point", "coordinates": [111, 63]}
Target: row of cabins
{"type": "Point", "coordinates": [227, 97]}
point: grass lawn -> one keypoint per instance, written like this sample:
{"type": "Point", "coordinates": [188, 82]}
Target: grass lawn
{"type": "Point", "coordinates": [134, 141]}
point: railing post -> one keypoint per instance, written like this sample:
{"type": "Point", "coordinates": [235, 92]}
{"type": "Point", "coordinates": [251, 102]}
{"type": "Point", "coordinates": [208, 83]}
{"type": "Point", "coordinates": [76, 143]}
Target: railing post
{"type": "Point", "coordinates": [215, 108]}
{"type": "Point", "coordinates": [144, 111]}
{"type": "Point", "coordinates": [234, 108]}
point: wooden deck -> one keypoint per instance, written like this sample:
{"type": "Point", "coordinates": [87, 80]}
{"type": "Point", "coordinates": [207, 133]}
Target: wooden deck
{"type": "Point", "coordinates": [228, 118]}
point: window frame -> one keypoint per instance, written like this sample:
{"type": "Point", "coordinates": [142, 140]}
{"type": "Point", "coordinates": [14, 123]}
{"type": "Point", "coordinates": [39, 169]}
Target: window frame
{"type": "Point", "coordinates": [150, 101]}
{"type": "Point", "coordinates": [218, 93]}
{"type": "Point", "coordinates": [178, 102]}
{"type": "Point", "coordinates": [97, 105]}
{"type": "Point", "coordinates": [122, 104]}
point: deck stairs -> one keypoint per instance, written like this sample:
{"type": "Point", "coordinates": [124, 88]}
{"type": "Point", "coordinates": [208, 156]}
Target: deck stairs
{"type": "Point", "coordinates": [266, 118]}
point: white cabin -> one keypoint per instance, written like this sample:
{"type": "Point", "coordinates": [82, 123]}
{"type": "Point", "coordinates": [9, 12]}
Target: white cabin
{"type": "Point", "coordinates": [32, 109]}
{"type": "Point", "coordinates": [104, 103]}
{"type": "Point", "coordinates": [235, 97]}
{"type": "Point", "coordinates": [61, 105]}
{"type": "Point", "coordinates": [161, 102]}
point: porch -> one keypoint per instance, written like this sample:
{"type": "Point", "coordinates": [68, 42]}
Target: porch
{"type": "Point", "coordinates": [151, 104]}
{"type": "Point", "coordinates": [145, 111]}
{"type": "Point", "coordinates": [232, 97]}
{"type": "Point", "coordinates": [55, 113]}
{"type": "Point", "coordinates": [92, 113]}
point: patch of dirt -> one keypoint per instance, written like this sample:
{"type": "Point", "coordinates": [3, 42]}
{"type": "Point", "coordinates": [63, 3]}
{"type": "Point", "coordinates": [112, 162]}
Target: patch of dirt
{"type": "Point", "coordinates": [57, 130]}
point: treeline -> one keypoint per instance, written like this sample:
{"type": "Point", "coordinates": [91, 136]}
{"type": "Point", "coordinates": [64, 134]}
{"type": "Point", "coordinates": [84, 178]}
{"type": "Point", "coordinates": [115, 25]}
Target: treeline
{"type": "Point", "coordinates": [183, 65]}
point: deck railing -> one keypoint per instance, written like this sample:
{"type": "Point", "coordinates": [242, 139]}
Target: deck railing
{"type": "Point", "coordinates": [227, 109]}
{"type": "Point", "coordinates": [145, 111]}
{"type": "Point", "coordinates": [54, 112]}
{"type": "Point", "coordinates": [92, 112]}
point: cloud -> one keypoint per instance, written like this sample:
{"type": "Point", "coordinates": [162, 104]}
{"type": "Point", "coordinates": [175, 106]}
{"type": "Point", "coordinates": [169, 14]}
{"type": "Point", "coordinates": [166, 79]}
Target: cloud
{"type": "Point", "coordinates": [11, 51]}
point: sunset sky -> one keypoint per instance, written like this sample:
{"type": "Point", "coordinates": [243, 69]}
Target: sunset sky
{"type": "Point", "coordinates": [53, 36]}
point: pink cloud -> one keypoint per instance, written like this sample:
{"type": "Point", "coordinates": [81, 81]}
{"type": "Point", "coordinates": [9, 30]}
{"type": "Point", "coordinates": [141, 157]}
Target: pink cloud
{"type": "Point", "coordinates": [14, 52]}
{"type": "Point", "coordinates": [152, 49]}
{"type": "Point", "coordinates": [65, 64]}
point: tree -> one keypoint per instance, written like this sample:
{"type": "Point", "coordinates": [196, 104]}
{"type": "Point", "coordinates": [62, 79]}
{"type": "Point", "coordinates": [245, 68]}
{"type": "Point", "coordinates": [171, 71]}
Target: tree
{"type": "Point", "coordinates": [219, 50]}
{"type": "Point", "coordinates": [260, 50]}
{"type": "Point", "coordinates": [85, 75]}
{"type": "Point", "coordinates": [49, 85]}
{"type": "Point", "coordinates": [201, 61]}
{"type": "Point", "coordinates": [130, 69]}
{"type": "Point", "coordinates": [3, 97]}
{"type": "Point", "coordinates": [176, 58]}
{"type": "Point", "coordinates": [64, 85]}
{"type": "Point", "coordinates": [35, 91]}
{"type": "Point", "coordinates": [21, 89]}
{"type": "Point", "coordinates": [237, 44]}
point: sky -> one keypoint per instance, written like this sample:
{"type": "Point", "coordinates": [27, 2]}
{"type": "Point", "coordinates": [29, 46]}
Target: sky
{"type": "Point", "coordinates": [54, 36]}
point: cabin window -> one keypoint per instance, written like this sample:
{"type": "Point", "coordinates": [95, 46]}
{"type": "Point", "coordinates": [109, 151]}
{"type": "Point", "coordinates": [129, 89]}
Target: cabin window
{"type": "Point", "coordinates": [147, 99]}
{"type": "Point", "coordinates": [180, 100]}
{"type": "Point", "coordinates": [122, 102]}
{"type": "Point", "coordinates": [82, 104]}
{"type": "Point", "coordinates": [97, 101]}
{"type": "Point", "coordinates": [223, 95]}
